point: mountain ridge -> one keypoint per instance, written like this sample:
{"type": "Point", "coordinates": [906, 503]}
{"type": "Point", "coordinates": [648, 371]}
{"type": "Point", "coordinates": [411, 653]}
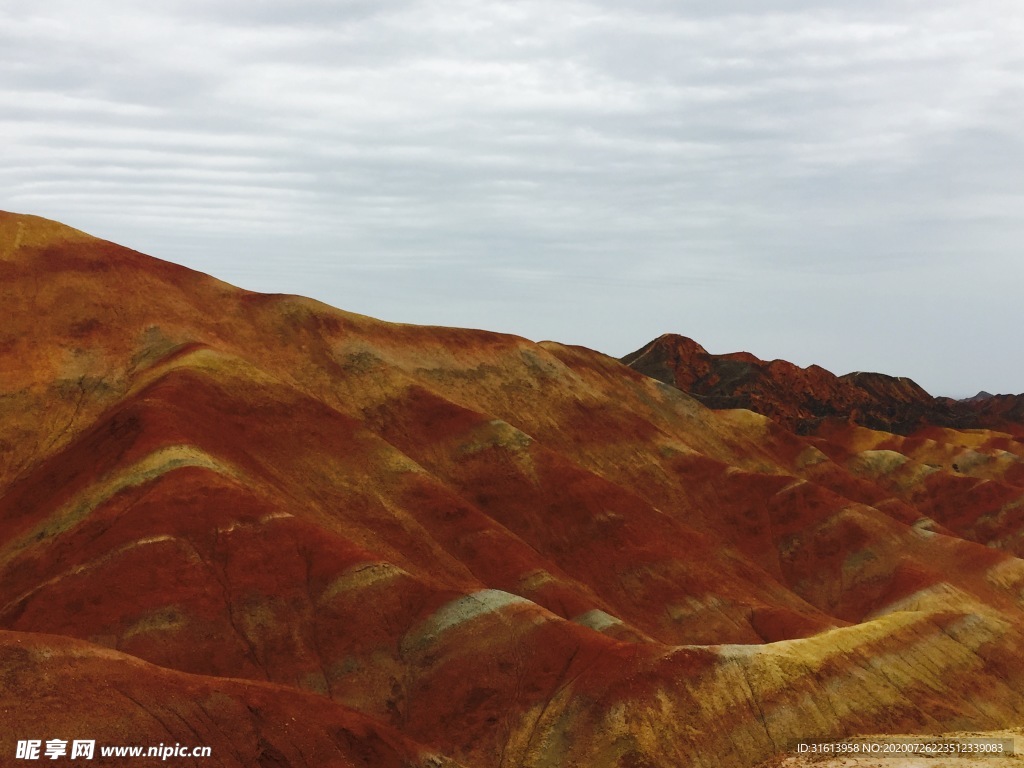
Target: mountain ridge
{"type": "Point", "coordinates": [801, 398]}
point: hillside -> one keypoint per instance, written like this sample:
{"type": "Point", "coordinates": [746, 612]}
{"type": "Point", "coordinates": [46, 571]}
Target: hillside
{"type": "Point", "coordinates": [308, 537]}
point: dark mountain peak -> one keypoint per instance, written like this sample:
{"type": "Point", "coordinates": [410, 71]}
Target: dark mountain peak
{"type": "Point", "coordinates": [667, 346]}
{"type": "Point", "coordinates": [983, 395]}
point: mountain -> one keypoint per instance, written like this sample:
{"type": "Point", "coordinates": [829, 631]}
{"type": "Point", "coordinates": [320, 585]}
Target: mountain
{"type": "Point", "coordinates": [983, 395]}
{"type": "Point", "coordinates": [302, 536]}
{"type": "Point", "coordinates": [802, 398]}
{"type": "Point", "coordinates": [1004, 412]}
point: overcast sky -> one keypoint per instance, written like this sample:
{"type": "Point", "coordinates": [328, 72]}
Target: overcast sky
{"type": "Point", "coordinates": [834, 183]}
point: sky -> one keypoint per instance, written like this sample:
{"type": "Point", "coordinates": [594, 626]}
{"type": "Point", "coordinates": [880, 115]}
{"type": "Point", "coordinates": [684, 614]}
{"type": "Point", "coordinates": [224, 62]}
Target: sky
{"type": "Point", "coordinates": [833, 183]}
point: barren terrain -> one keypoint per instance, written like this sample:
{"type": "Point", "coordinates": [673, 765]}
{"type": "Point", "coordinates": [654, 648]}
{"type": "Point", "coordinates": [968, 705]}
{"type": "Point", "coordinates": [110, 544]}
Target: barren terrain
{"type": "Point", "coordinates": [309, 537]}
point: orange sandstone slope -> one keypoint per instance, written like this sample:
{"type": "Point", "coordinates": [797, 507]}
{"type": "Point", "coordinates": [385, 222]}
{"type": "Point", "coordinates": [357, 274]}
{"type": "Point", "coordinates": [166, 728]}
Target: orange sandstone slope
{"type": "Point", "coordinates": [222, 513]}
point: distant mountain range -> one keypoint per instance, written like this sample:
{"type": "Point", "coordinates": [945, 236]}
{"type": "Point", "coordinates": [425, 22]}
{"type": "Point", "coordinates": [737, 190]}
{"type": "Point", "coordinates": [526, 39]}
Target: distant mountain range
{"type": "Point", "coordinates": [306, 537]}
{"type": "Point", "coordinates": [801, 398]}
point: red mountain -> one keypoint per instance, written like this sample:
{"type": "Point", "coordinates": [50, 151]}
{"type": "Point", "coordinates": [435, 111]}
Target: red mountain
{"type": "Point", "coordinates": [306, 537]}
{"type": "Point", "coordinates": [801, 398]}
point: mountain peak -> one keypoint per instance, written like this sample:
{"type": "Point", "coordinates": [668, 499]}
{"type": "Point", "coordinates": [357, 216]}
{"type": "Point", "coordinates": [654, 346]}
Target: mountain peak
{"type": "Point", "coordinates": [983, 395]}
{"type": "Point", "coordinates": [18, 230]}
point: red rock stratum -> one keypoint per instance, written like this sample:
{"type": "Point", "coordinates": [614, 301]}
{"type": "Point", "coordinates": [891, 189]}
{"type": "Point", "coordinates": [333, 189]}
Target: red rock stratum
{"type": "Point", "coordinates": [307, 537]}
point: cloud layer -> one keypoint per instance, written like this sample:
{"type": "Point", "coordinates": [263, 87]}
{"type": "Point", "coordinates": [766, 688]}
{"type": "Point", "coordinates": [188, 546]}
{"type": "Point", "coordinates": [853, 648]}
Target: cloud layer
{"type": "Point", "coordinates": [834, 183]}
